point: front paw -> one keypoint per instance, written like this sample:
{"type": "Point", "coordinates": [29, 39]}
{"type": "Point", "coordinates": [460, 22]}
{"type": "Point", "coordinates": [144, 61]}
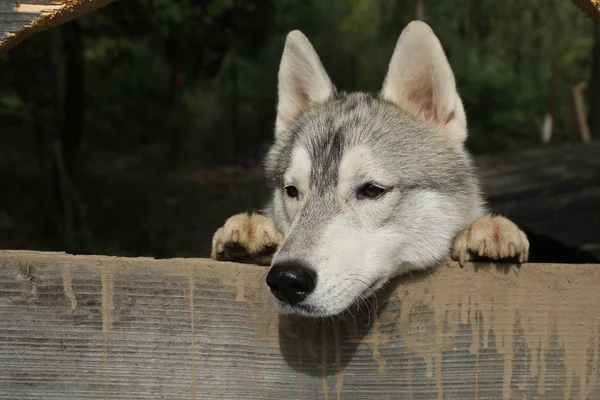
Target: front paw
{"type": "Point", "coordinates": [491, 237]}
{"type": "Point", "coordinates": [248, 238]}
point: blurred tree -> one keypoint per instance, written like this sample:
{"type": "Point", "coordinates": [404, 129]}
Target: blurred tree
{"type": "Point", "coordinates": [148, 87]}
{"type": "Point", "coordinates": [73, 102]}
{"type": "Point", "coordinates": [420, 10]}
{"type": "Point", "coordinates": [594, 87]}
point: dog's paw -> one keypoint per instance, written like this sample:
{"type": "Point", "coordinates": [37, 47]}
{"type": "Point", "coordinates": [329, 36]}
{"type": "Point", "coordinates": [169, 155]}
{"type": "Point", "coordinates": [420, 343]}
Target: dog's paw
{"type": "Point", "coordinates": [491, 237]}
{"type": "Point", "coordinates": [246, 238]}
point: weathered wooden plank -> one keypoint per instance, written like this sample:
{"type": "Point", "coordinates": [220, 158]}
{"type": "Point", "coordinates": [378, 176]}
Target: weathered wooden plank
{"type": "Point", "coordinates": [21, 19]}
{"type": "Point", "coordinates": [92, 327]}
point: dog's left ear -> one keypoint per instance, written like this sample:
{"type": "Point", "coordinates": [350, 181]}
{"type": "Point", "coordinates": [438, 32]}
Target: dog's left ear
{"type": "Point", "coordinates": [302, 81]}
{"type": "Point", "coordinates": [420, 81]}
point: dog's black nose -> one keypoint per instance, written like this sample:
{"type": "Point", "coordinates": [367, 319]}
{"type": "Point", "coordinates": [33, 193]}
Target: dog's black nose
{"type": "Point", "coordinates": [291, 281]}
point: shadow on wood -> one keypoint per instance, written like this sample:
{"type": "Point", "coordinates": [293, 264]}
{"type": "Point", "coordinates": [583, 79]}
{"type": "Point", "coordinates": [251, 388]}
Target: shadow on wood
{"type": "Point", "coordinates": [324, 347]}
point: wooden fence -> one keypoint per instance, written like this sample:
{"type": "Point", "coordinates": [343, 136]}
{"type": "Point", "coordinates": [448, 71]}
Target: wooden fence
{"type": "Point", "coordinates": [96, 327]}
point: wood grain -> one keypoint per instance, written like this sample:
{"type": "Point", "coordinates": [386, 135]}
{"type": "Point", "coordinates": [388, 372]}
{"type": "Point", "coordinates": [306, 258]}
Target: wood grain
{"type": "Point", "coordinates": [95, 327]}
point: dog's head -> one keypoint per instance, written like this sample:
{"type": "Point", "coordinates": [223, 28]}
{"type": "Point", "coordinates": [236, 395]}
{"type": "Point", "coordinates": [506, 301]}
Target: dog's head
{"type": "Point", "coordinates": [366, 187]}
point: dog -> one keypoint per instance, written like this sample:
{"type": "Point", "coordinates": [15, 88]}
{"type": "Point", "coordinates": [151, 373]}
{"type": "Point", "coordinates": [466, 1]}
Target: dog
{"type": "Point", "coordinates": [366, 187]}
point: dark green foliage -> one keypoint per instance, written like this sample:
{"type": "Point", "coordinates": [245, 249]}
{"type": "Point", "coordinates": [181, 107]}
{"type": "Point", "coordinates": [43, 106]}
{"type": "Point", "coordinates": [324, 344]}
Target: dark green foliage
{"type": "Point", "coordinates": [172, 85]}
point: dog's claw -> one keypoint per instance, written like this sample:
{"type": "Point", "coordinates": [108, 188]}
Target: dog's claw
{"type": "Point", "coordinates": [267, 240]}
{"type": "Point", "coordinates": [523, 257]}
{"type": "Point", "coordinates": [463, 259]}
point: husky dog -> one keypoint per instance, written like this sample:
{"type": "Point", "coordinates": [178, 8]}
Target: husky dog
{"type": "Point", "coordinates": [366, 187]}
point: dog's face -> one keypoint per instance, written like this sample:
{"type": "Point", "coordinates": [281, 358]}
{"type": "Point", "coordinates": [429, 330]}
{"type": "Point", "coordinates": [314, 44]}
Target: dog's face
{"type": "Point", "coordinates": [365, 187]}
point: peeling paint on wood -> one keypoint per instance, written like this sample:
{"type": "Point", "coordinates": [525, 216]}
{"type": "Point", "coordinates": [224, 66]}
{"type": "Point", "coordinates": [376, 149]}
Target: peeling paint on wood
{"type": "Point", "coordinates": [68, 285]}
{"type": "Point", "coordinates": [106, 327]}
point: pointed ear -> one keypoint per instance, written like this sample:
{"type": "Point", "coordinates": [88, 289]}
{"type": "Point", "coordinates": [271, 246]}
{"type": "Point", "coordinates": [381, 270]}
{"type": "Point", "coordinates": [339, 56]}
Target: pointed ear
{"type": "Point", "coordinates": [302, 81]}
{"type": "Point", "coordinates": [420, 81]}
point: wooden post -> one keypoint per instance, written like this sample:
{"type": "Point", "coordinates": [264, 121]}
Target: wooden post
{"type": "Point", "coordinates": [580, 113]}
{"type": "Point", "coordinates": [576, 115]}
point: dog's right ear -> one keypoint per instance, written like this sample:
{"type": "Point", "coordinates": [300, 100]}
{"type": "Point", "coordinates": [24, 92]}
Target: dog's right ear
{"type": "Point", "coordinates": [302, 81]}
{"type": "Point", "coordinates": [420, 81]}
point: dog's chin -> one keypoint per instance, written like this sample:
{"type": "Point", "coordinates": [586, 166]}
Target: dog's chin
{"type": "Point", "coordinates": [304, 310]}
{"type": "Point", "coordinates": [330, 310]}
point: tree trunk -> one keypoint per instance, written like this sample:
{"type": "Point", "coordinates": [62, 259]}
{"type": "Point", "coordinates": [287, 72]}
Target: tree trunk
{"type": "Point", "coordinates": [70, 127]}
{"type": "Point", "coordinates": [73, 111]}
{"type": "Point", "coordinates": [235, 114]}
{"type": "Point", "coordinates": [421, 10]}
{"type": "Point", "coordinates": [594, 87]}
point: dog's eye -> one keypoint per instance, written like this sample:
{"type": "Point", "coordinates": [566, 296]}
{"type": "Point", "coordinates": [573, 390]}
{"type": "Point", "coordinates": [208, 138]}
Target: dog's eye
{"type": "Point", "coordinates": [291, 191]}
{"type": "Point", "coordinates": [370, 191]}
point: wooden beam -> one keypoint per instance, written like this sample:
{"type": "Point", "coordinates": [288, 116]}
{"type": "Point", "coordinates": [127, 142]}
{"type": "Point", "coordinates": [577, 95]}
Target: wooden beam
{"type": "Point", "coordinates": [591, 8]}
{"type": "Point", "coordinates": [100, 327]}
{"type": "Point", "coordinates": [21, 19]}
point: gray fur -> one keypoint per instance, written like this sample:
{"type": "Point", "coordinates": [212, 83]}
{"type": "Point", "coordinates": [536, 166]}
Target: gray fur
{"type": "Point", "coordinates": [417, 153]}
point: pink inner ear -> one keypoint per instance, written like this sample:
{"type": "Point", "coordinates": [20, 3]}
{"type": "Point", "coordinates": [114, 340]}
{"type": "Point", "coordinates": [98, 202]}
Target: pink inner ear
{"type": "Point", "coordinates": [300, 97]}
{"type": "Point", "coordinates": [300, 90]}
{"type": "Point", "coordinates": [427, 113]}
{"type": "Point", "coordinates": [423, 99]}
